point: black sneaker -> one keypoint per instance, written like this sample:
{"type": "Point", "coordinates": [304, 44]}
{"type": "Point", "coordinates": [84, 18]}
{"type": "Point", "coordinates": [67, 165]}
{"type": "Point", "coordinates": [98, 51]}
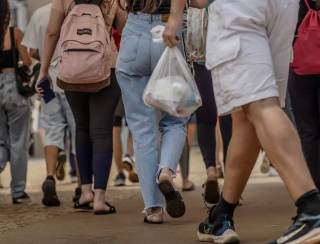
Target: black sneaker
{"type": "Point", "coordinates": [120, 180]}
{"type": "Point", "coordinates": [23, 199]}
{"type": "Point", "coordinates": [220, 231]}
{"type": "Point", "coordinates": [77, 195]}
{"type": "Point", "coordinates": [129, 165]}
{"type": "Point", "coordinates": [305, 230]}
{"type": "Point", "coordinates": [61, 160]}
{"type": "Point", "coordinates": [50, 198]}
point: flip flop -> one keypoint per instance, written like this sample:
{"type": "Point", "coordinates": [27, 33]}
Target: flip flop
{"type": "Point", "coordinates": [191, 188]}
{"type": "Point", "coordinates": [211, 191]}
{"type": "Point", "coordinates": [103, 212]}
{"type": "Point", "coordinates": [174, 202]}
{"type": "Point", "coordinates": [85, 207]}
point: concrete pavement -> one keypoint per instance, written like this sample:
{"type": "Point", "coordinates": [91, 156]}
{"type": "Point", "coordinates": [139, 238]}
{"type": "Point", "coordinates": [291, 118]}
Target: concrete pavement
{"type": "Point", "coordinates": [264, 216]}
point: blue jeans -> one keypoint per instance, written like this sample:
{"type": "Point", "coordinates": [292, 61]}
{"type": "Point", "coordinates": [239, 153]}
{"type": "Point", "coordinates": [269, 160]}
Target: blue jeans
{"type": "Point", "coordinates": [137, 59]}
{"type": "Point", "coordinates": [14, 132]}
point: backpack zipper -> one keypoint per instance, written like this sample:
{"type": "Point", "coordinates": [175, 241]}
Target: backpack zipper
{"type": "Point", "coordinates": [81, 50]}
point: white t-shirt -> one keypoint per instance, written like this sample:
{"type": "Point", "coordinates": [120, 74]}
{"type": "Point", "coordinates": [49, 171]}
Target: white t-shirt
{"type": "Point", "coordinates": [35, 36]}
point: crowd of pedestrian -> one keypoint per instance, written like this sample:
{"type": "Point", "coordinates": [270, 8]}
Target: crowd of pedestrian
{"type": "Point", "coordinates": [98, 57]}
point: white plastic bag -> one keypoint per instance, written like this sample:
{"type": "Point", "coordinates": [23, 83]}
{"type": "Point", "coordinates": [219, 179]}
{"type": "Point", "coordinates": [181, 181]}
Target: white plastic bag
{"type": "Point", "coordinates": [171, 87]}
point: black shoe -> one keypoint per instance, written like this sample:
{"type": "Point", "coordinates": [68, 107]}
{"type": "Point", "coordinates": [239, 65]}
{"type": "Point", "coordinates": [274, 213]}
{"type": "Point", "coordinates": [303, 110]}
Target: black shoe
{"type": "Point", "coordinates": [62, 159]}
{"type": "Point", "coordinates": [220, 231]}
{"type": "Point", "coordinates": [305, 230]}
{"type": "Point", "coordinates": [77, 195]}
{"type": "Point", "coordinates": [23, 199]}
{"type": "Point", "coordinates": [120, 180]}
{"type": "Point", "coordinates": [50, 198]}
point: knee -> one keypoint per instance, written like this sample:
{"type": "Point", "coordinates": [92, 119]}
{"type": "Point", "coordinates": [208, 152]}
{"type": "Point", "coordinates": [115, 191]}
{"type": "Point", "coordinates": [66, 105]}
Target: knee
{"type": "Point", "coordinates": [102, 139]}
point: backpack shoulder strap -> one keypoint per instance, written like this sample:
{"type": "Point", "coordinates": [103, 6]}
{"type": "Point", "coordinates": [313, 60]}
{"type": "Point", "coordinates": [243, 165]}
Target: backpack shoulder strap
{"type": "Point", "coordinates": [307, 4]}
{"type": "Point", "coordinates": [14, 50]}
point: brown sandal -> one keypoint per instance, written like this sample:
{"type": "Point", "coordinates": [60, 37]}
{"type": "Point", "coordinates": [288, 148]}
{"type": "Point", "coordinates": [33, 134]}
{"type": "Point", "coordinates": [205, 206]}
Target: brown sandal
{"type": "Point", "coordinates": [211, 191]}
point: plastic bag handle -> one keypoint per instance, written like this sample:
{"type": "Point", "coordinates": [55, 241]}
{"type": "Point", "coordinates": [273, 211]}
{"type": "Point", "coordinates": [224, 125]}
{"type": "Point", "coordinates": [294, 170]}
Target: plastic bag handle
{"type": "Point", "coordinates": [157, 34]}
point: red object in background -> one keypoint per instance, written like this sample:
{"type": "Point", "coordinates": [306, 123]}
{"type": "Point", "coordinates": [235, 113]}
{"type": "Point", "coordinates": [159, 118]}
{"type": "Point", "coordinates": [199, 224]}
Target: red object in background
{"type": "Point", "coordinates": [306, 49]}
{"type": "Point", "coordinates": [116, 37]}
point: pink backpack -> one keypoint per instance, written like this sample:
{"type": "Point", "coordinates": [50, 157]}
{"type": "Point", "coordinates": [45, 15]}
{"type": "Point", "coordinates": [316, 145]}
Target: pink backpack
{"type": "Point", "coordinates": [85, 50]}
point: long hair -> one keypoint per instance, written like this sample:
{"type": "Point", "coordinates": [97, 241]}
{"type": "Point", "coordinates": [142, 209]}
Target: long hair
{"type": "Point", "coordinates": [4, 23]}
{"type": "Point", "coordinates": [148, 6]}
{"type": "Point", "coordinates": [105, 6]}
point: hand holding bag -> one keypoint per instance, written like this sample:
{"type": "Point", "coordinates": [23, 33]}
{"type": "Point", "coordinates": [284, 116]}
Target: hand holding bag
{"type": "Point", "coordinates": [171, 87]}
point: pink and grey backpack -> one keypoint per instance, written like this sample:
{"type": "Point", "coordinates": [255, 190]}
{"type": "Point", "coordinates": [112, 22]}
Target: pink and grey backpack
{"type": "Point", "coordinates": [84, 49]}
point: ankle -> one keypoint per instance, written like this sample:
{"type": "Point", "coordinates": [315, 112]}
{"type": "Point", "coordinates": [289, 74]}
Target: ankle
{"type": "Point", "coordinates": [309, 203]}
{"type": "Point", "coordinates": [211, 172]}
{"type": "Point", "coordinates": [165, 174]}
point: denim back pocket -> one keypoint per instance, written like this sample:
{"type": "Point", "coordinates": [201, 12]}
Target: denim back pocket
{"type": "Point", "coordinates": [129, 45]}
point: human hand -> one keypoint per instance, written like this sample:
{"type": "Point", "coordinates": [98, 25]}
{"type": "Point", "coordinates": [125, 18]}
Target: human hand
{"type": "Point", "coordinates": [172, 29]}
{"type": "Point", "coordinates": [42, 76]}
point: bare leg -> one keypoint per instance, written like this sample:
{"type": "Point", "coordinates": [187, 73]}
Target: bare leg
{"type": "Point", "coordinates": [191, 130]}
{"type": "Point", "coordinates": [242, 154]}
{"type": "Point", "coordinates": [130, 145]}
{"type": "Point", "coordinates": [117, 148]}
{"type": "Point", "coordinates": [280, 140]}
{"type": "Point", "coordinates": [51, 155]}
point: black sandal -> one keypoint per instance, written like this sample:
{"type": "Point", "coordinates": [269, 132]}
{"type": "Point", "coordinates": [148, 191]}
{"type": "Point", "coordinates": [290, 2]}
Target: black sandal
{"type": "Point", "coordinates": [103, 212]}
{"type": "Point", "coordinates": [174, 202]}
{"type": "Point", "coordinates": [191, 188]}
{"type": "Point", "coordinates": [85, 207]}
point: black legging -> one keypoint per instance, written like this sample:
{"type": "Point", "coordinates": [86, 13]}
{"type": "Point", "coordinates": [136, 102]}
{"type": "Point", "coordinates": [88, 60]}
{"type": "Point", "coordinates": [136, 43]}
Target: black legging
{"type": "Point", "coordinates": [207, 118]}
{"type": "Point", "coordinates": [94, 117]}
{"type": "Point", "coordinates": [305, 101]}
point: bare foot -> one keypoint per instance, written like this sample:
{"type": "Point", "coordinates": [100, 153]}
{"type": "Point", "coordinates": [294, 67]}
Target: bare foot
{"type": "Point", "coordinates": [99, 201]}
{"type": "Point", "coordinates": [166, 174]}
{"type": "Point", "coordinates": [186, 184]}
{"type": "Point", "coordinates": [211, 172]}
{"type": "Point", "coordinates": [86, 194]}
{"type": "Point", "coordinates": [156, 215]}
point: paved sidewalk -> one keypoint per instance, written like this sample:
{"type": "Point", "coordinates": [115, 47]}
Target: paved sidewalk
{"type": "Point", "coordinates": [264, 216]}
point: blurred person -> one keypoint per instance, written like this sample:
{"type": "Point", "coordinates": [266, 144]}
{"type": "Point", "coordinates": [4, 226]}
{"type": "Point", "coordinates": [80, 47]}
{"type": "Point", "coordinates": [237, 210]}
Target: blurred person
{"type": "Point", "coordinates": [137, 59]}
{"type": "Point", "coordinates": [55, 116]}
{"type": "Point", "coordinates": [14, 108]}
{"type": "Point", "coordinates": [258, 35]}
{"type": "Point", "coordinates": [305, 99]}
{"type": "Point", "coordinates": [127, 162]}
{"type": "Point", "coordinates": [93, 111]}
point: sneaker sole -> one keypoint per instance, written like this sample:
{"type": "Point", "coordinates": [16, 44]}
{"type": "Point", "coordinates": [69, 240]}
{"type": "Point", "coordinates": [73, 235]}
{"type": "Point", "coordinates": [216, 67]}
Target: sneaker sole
{"type": "Point", "coordinates": [175, 206]}
{"type": "Point", "coordinates": [133, 176]}
{"type": "Point", "coordinates": [313, 237]}
{"type": "Point", "coordinates": [49, 200]}
{"type": "Point", "coordinates": [60, 169]}
{"type": "Point", "coordinates": [230, 236]}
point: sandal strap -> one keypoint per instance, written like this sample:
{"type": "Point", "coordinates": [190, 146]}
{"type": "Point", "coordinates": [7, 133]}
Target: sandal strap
{"type": "Point", "coordinates": [111, 207]}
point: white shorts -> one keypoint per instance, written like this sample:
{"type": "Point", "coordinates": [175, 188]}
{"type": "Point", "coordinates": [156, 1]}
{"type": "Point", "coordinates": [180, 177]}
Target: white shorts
{"type": "Point", "coordinates": [249, 48]}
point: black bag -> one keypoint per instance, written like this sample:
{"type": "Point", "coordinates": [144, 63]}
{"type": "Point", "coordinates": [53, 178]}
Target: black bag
{"type": "Point", "coordinates": [25, 86]}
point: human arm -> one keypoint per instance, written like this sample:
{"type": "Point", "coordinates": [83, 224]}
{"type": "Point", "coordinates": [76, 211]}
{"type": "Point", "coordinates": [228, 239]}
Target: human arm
{"type": "Point", "coordinates": [199, 3]}
{"type": "Point", "coordinates": [51, 40]}
{"type": "Point", "coordinates": [120, 20]}
{"type": "Point", "coordinates": [34, 53]}
{"type": "Point", "coordinates": [174, 23]}
{"type": "Point", "coordinates": [23, 52]}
